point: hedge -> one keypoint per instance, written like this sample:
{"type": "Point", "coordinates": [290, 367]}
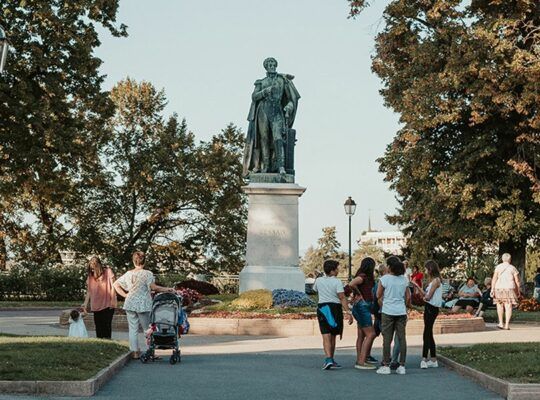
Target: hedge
{"type": "Point", "coordinates": [43, 283]}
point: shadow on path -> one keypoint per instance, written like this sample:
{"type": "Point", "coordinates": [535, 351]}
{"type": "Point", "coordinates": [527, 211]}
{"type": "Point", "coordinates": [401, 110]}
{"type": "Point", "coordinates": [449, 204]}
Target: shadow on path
{"type": "Point", "coordinates": [278, 376]}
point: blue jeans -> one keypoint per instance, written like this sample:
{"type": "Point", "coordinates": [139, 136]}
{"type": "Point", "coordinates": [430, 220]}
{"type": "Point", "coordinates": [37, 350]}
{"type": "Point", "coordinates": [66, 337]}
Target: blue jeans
{"type": "Point", "coordinates": [361, 312]}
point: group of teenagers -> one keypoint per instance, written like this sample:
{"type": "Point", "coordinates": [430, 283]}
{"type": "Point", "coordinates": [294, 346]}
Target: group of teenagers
{"type": "Point", "coordinates": [380, 307]}
{"type": "Point", "coordinates": [135, 286]}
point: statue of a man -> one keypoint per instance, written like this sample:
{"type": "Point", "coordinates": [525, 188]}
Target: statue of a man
{"type": "Point", "coordinates": [271, 116]}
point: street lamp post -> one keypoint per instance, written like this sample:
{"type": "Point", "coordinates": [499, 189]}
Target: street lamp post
{"type": "Point", "coordinates": [3, 49]}
{"type": "Point", "coordinates": [350, 208]}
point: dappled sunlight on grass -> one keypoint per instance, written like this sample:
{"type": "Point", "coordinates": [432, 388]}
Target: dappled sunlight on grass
{"type": "Point", "coordinates": [515, 362]}
{"type": "Point", "coordinates": [55, 358]}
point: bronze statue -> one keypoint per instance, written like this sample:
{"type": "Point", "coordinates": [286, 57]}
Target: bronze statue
{"type": "Point", "coordinates": [270, 137]}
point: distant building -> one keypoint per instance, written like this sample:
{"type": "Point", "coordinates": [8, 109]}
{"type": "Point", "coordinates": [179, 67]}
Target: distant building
{"type": "Point", "coordinates": [391, 242]}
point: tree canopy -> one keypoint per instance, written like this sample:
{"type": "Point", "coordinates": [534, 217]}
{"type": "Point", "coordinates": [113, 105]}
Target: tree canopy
{"type": "Point", "coordinates": [463, 76]}
{"type": "Point", "coordinates": [327, 248]}
{"type": "Point", "coordinates": [97, 172]}
{"type": "Point", "coordinates": [53, 113]}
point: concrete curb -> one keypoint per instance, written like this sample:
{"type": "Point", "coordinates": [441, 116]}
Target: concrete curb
{"type": "Point", "coordinates": [310, 327]}
{"type": "Point", "coordinates": [3, 309]}
{"type": "Point", "coordinates": [510, 391]}
{"type": "Point", "coordinates": [85, 388]}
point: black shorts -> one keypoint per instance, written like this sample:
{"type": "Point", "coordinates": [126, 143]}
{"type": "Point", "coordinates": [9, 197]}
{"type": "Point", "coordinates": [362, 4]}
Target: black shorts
{"type": "Point", "coordinates": [467, 302]}
{"type": "Point", "coordinates": [337, 312]}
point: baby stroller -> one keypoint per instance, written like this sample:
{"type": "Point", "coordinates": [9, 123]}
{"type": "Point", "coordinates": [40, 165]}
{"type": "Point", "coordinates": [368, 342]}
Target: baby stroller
{"type": "Point", "coordinates": [163, 332]}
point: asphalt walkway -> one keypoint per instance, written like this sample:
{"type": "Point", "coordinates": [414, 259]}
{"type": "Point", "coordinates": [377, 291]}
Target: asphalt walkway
{"type": "Point", "coordinates": [248, 367]}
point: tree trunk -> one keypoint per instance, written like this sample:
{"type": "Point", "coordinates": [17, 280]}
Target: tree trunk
{"type": "Point", "coordinates": [517, 250]}
{"type": "Point", "coordinates": [3, 252]}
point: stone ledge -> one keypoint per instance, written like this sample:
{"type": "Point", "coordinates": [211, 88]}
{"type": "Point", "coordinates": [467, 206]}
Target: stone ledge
{"type": "Point", "coordinates": [85, 388]}
{"type": "Point", "coordinates": [285, 327]}
{"type": "Point", "coordinates": [510, 391]}
{"type": "Point", "coordinates": [310, 327]}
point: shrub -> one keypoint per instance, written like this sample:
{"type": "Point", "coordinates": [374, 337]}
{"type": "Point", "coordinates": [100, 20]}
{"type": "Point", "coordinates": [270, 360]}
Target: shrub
{"type": "Point", "coordinates": [169, 279]}
{"type": "Point", "coordinates": [189, 296]}
{"type": "Point", "coordinates": [290, 298]}
{"type": "Point", "coordinates": [203, 288]}
{"type": "Point", "coordinates": [529, 305]}
{"type": "Point", "coordinates": [54, 282]}
{"type": "Point", "coordinates": [253, 299]}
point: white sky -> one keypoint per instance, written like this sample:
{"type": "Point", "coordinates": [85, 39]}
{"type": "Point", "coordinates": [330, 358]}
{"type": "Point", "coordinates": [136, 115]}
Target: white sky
{"type": "Point", "coordinates": [207, 54]}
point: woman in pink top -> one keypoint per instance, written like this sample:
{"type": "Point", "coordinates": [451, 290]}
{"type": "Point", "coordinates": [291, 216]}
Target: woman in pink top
{"type": "Point", "coordinates": [101, 295]}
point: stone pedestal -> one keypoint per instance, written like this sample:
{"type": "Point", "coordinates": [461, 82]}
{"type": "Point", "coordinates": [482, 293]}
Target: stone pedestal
{"type": "Point", "coordinates": [272, 238]}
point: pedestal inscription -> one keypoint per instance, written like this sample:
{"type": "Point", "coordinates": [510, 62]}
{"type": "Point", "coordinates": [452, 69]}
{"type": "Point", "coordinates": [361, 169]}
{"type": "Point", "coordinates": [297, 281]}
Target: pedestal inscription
{"type": "Point", "coordinates": [272, 239]}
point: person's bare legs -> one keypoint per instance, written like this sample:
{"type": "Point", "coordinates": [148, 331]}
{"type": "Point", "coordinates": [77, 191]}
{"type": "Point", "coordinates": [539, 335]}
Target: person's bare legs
{"type": "Point", "coordinates": [327, 345]}
{"type": "Point", "coordinates": [359, 341]}
{"type": "Point", "coordinates": [369, 337]}
{"type": "Point", "coordinates": [508, 310]}
{"type": "Point", "coordinates": [333, 345]}
{"type": "Point", "coordinates": [455, 309]}
{"type": "Point", "coordinates": [500, 314]}
{"type": "Point", "coordinates": [469, 309]}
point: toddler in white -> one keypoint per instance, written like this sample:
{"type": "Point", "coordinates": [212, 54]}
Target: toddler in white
{"type": "Point", "coordinates": [76, 325]}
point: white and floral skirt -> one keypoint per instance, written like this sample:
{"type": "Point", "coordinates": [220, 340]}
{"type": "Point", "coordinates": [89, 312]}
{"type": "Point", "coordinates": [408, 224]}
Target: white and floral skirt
{"type": "Point", "coordinates": [505, 296]}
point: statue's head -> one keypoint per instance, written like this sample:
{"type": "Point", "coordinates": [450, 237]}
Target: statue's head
{"type": "Point", "coordinates": [270, 64]}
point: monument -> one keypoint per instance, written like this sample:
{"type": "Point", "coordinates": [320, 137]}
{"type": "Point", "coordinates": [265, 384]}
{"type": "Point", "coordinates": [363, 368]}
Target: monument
{"type": "Point", "coordinates": [272, 236]}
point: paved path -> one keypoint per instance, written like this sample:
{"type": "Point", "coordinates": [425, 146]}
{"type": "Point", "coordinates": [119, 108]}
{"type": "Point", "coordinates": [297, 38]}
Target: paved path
{"type": "Point", "coordinates": [236, 367]}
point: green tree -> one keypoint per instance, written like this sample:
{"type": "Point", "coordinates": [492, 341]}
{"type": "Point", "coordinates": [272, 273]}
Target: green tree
{"type": "Point", "coordinates": [463, 76]}
{"type": "Point", "coordinates": [367, 250]}
{"type": "Point", "coordinates": [53, 112]}
{"type": "Point", "coordinates": [163, 193]}
{"type": "Point", "coordinates": [327, 248]}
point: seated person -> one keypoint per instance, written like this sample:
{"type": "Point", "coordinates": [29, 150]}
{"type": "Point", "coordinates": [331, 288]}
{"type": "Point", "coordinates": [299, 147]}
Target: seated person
{"type": "Point", "coordinates": [448, 292]}
{"type": "Point", "coordinates": [486, 300]}
{"type": "Point", "coordinates": [310, 280]}
{"type": "Point", "coordinates": [469, 297]}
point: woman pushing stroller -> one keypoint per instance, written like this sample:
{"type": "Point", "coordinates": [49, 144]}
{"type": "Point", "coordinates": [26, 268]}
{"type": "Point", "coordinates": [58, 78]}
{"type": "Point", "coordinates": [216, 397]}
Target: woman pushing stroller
{"type": "Point", "coordinates": [138, 283]}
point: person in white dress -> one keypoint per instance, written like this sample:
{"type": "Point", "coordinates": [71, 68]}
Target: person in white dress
{"type": "Point", "coordinates": [505, 290]}
{"type": "Point", "coordinates": [76, 325]}
{"type": "Point", "coordinates": [136, 285]}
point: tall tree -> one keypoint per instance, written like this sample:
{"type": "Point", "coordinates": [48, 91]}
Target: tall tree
{"type": "Point", "coordinates": [327, 248]}
{"type": "Point", "coordinates": [463, 76]}
{"type": "Point", "coordinates": [164, 193]}
{"type": "Point", "coordinates": [52, 118]}
{"type": "Point", "coordinates": [367, 250]}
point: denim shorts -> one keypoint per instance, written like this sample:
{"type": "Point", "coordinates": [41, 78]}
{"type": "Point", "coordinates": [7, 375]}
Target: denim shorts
{"type": "Point", "coordinates": [361, 312]}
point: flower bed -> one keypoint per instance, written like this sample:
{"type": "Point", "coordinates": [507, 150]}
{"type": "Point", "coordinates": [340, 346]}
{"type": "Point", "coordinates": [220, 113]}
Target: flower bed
{"type": "Point", "coordinates": [250, 315]}
{"type": "Point", "coordinates": [276, 314]}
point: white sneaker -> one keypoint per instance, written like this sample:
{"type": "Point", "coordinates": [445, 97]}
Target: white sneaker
{"type": "Point", "coordinates": [400, 370]}
{"type": "Point", "coordinates": [423, 364]}
{"type": "Point", "coordinates": [384, 370]}
{"type": "Point", "coordinates": [432, 364]}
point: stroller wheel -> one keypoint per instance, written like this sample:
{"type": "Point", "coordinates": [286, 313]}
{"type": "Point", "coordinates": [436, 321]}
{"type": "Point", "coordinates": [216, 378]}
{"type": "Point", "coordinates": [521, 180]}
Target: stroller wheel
{"type": "Point", "coordinates": [174, 359]}
{"type": "Point", "coordinates": [144, 358]}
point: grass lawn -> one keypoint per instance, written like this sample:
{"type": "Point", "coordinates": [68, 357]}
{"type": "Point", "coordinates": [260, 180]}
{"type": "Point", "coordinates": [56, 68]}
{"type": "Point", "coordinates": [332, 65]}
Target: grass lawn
{"type": "Point", "coordinates": [514, 362]}
{"type": "Point", "coordinates": [40, 304]}
{"type": "Point", "coordinates": [55, 358]}
{"type": "Point", "coordinates": [517, 316]}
